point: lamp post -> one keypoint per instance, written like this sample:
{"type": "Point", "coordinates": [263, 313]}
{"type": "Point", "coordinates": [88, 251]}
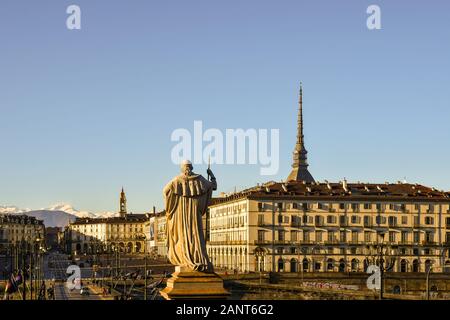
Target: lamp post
{"type": "Point", "coordinates": [384, 258]}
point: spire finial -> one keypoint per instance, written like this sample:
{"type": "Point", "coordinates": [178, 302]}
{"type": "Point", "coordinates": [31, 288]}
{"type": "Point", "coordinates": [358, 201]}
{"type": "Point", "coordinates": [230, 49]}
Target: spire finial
{"type": "Point", "coordinates": [300, 118]}
{"type": "Point", "coordinates": [300, 163]}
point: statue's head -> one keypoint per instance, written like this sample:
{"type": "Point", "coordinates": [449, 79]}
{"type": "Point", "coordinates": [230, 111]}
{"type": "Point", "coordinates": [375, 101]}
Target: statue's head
{"type": "Point", "coordinates": [186, 167]}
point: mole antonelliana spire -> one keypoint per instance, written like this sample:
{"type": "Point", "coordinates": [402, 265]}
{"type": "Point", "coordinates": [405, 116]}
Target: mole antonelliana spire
{"type": "Point", "coordinates": [300, 160]}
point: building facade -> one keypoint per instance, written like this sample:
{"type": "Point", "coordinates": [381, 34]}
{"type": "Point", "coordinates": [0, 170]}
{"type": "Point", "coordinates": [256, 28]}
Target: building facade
{"type": "Point", "coordinates": [18, 229]}
{"type": "Point", "coordinates": [296, 226]}
{"type": "Point", "coordinates": [124, 233]}
{"type": "Point", "coordinates": [305, 226]}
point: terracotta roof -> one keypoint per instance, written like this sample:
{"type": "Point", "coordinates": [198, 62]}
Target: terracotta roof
{"type": "Point", "coordinates": [296, 190]}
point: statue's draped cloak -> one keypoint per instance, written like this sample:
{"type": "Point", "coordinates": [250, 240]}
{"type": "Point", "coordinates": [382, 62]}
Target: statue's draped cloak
{"type": "Point", "coordinates": [186, 200]}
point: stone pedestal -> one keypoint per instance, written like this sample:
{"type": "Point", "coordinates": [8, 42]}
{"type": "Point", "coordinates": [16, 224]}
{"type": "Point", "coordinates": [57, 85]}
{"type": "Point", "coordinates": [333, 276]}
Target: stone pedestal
{"type": "Point", "coordinates": [192, 285]}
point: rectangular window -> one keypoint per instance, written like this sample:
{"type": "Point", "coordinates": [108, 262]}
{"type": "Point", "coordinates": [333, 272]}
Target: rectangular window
{"type": "Point", "coordinates": [331, 236]}
{"type": "Point", "coordinates": [355, 207]}
{"type": "Point", "coordinates": [367, 221]}
{"type": "Point", "coordinates": [280, 218]}
{"type": "Point", "coordinates": [392, 221]}
{"type": "Point", "coordinates": [319, 236]}
{"type": "Point", "coordinates": [261, 235]}
{"type": "Point", "coordinates": [342, 206]}
{"type": "Point", "coordinates": [367, 236]}
{"type": "Point", "coordinates": [294, 236]}
{"type": "Point", "coordinates": [367, 206]}
{"type": "Point", "coordinates": [261, 220]}
{"type": "Point", "coordinates": [306, 236]}
{"type": "Point", "coordinates": [280, 235]}
{"type": "Point", "coordinates": [404, 220]}
{"type": "Point", "coordinates": [404, 237]}
{"type": "Point", "coordinates": [416, 236]}
{"type": "Point", "coordinates": [260, 207]}
{"type": "Point", "coordinates": [392, 237]}
{"type": "Point", "coordinates": [355, 236]}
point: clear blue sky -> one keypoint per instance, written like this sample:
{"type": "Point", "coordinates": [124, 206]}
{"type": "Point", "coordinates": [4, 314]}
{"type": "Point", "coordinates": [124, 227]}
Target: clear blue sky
{"type": "Point", "coordinates": [85, 112]}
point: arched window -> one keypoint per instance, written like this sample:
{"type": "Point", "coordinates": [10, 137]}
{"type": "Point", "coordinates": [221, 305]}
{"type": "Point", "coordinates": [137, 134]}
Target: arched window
{"type": "Point", "coordinates": [305, 265]}
{"type": "Point", "coordinates": [355, 264]}
{"type": "Point", "coordinates": [415, 264]}
{"type": "Point", "coordinates": [138, 247]}
{"type": "Point", "coordinates": [342, 265]}
{"type": "Point", "coordinates": [330, 264]}
{"type": "Point", "coordinates": [280, 265]}
{"type": "Point", "coordinates": [403, 266]}
{"type": "Point", "coordinates": [366, 264]}
{"type": "Point", "coordinates": [293, 265]}
{"type": "Point", "coordinates": [317, 265]}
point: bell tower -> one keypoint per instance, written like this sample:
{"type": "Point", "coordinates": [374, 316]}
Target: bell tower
{"type": "Point", "coordinates": [123, 204]}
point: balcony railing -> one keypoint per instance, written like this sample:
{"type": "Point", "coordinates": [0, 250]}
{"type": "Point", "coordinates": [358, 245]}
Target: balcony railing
{"type": "Point", "coordinates": [230, 242]}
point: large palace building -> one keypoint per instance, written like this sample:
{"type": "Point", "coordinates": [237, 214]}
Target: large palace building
{"type": "Point", "coordinates": [309, 226]}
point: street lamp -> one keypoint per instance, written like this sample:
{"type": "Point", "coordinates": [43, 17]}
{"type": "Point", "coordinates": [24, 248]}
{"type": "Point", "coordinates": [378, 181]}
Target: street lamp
{"type": "Point", "coordinates": [384, 257]}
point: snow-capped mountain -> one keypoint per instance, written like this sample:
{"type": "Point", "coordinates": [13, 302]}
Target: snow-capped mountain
{"type": "Point", "coordinates": [11, 210]}
{"type": "Point", "coordinates": [58, 215]}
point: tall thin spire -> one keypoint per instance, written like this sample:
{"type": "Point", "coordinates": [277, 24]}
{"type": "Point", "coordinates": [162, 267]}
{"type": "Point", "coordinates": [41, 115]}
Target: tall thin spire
{"type": "Point", "coordinates": [300, 160]}
{"type": "Point", "coordinates": [300, 118]}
